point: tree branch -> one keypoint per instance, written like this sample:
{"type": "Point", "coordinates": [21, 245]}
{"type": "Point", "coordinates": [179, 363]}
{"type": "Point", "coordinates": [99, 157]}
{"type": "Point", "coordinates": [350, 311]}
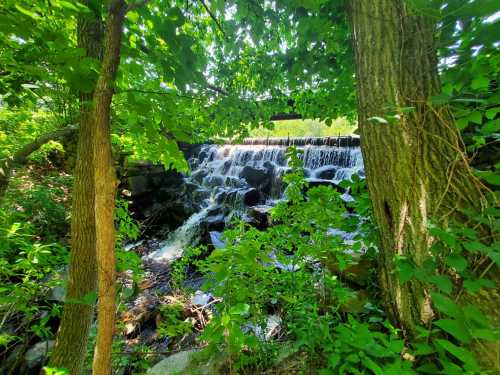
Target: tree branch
{"type": "Point", "coordinates": [212, 16]}
{"type": "Point", "coordinates": [133, 6]}
{"type": "Point", "coordinates": [21, 156]}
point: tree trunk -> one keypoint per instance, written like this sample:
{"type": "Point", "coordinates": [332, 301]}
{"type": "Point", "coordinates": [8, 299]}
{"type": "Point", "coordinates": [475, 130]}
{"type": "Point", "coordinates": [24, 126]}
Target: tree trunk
{"type": "Point", "coordinates": [105, 185]}
{"type": "Point", "coordinates": [71, 343]}
{"type": "Point", "coordinates": [20, 158]}
{"type": "Point", "coordinates": [416, 168]}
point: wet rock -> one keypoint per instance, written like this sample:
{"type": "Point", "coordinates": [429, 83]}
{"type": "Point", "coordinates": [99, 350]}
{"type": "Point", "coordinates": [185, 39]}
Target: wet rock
{"type": "Point", "coordinates": [326, 173]}
{"type": "Point", "coordinates": [199, 175]}
{"type": "Point", "coordinates": [200, 195]}
{"type": "Point", "coordinates": [215, 223]}
{"type": "Point", "coordinates": [251, 197]}
{"type": "Point", "coordinates": [256, 177]}
{"type": "Point", "coordinates": [36, 355]}
{"type": "Point", "coordinates": [190, 187]}
{"type": "Point", "coordinates": [138, 184]}
{"type": "Point", "coordinates": [175, 364]}
{"type": "Point", "coordinates": [235, 182]}
{"type": "Point", "coordinates": [213, 181]}
{"type": "Point", "coordinates": [269, 166]}
{"type": "Point", "coordinates": [226, 197]}
{"type": "Point", "coordinates": [261, 216]}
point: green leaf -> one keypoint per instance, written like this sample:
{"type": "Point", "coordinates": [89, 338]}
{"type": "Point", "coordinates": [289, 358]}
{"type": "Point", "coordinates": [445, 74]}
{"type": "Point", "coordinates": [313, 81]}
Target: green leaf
{"type": "Point", "coordinates": [460, 353]}
{"type": "Point", "coordinates": [480, 83]}
{"type": "Point", "coordinates": [490, 127]}
{"type": "Point", "coordinates": [476, 117]}
{"type": "Point", "coordinates": [454, 327]}
{"type": "Point", "coordinates": [457, 261]}
{"type": "Point", "coordinates": [474, 285]}
{"type": "Point", "coordinates": [492, 112]}
{"type": "Point", "coordinates": [26, 11]}
{"type": "Point", "coordinates": [240, 309]}
{"type": "Point", "coordinates": [443, 283]}
{"type": "Point", "coordinates": [445, 305]}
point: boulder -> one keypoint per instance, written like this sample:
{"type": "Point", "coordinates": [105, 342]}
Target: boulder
{"type": "Point", "coordinates": [199, 175]}
{"type": "Point", "coordinates": [250, 197]}
{"type": "Point", "coordinates": [213, 181]}
{"type": "Point", "coordinates": [175, 364]}
{"type": "Point", "coordinates": [36, 355]}
{"type": "Point", "coordinates": [138, 184]}
{"type": "Point", "coordinates": [216, 223]}
{"type": "Point", "coordinates": [255, 177]}
{"type": "Point", "coordinates": [326, 173]}
{"type": "Point", "coordinates": [261, 216]}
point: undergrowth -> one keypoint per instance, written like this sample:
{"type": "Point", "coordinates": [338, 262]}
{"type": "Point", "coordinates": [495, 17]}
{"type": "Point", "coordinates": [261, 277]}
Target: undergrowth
{"type": "Point", "coordinates": [301, 271]}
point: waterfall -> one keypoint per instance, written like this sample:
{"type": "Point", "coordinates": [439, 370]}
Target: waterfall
{"type": "Point", "coordinates": [229, 178]}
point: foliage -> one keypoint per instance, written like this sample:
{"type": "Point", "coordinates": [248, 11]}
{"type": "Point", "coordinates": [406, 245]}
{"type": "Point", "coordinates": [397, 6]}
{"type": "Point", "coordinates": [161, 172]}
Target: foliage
{"type": "Point", "coordinates": [305, 128]}
{"type": "Point", "coordinates": [456, 273]}
{"type": "Point", "coordinates": [32, 219]}
{"type": "Point", "coordinates": [308, 299]}
{"type": "Point", "coordinates": [172, 324]}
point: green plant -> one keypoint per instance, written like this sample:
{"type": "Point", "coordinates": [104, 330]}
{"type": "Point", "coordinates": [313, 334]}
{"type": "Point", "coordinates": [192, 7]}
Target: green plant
{"type": "Point", "coordinates": [172, 323]}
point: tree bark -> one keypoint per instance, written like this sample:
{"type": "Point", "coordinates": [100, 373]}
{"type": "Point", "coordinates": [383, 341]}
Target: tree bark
{"type": "Point", "coordinates": [20, 158]}
{"type": "Point", "coordinates": [105, 190]}
{"type": "Point", "coordinates": [416, 168]}
{"type": "Point", "coordinates": [72, 336]}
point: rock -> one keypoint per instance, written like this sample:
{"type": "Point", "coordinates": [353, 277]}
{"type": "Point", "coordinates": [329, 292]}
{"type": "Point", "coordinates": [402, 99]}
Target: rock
{"type": "Point", "coordinates": [36, 355]}
{"type": "Point", "coordinates": [326, 173]}
{"type": "Point", "coordinates": [213, 181]}
{"type": "Point", "coordinates": [175, 364]}
{"type": "Point", "coordinates": [200, 298]}
{"type": "Point", "coordinates": [235, 182]}
{"type": "Point", "coordinates": [190, 187]}
{"type": "Point", "coordinates": [270, 166]}
{"type": "Point", "coordinates": [226, 197]}
{"type": "Point", "coordinates": [138, 184]}
{"type": "Point", "coordinates": [200, 195]}
{"type": "Point", "coordinates": [260, 216]}
{"type": "Point", "coordinates": [215, 223]}
{"type": "Point", "coordinates": [256, 177]}
{"type": "Point", "coordinates": [199, 175]}
{"type": "Point", "coordinates": [251, 197]}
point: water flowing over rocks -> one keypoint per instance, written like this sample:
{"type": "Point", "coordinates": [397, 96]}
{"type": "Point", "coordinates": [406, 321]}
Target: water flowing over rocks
{"type": "Point", "coordinates": [234, 180]}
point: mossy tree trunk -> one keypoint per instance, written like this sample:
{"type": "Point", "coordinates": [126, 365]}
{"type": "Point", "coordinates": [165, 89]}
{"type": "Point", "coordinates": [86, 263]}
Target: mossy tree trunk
{"type": "Point", "coordinates": [415, 165]}
{"type": "Point", "coordinates": [71, 343]}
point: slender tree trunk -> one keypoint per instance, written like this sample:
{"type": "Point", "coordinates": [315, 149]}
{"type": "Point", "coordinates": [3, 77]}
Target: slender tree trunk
{"type": "Point", "coordinates": [20, 158]}
{"type": "Point", "coordinates": [71, 343]}
{"type": "Point", "coordinates": [105, 189]}
{"type": "Point", "coordinates": [416, 168]}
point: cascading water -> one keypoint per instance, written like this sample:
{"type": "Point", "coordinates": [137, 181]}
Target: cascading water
{"type": "Point", "coordinates": [228, 178]}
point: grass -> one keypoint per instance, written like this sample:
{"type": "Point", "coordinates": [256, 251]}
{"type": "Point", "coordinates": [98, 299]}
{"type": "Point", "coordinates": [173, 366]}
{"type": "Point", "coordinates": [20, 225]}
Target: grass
{"type": "Point", "coordinates": [306, 128]}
